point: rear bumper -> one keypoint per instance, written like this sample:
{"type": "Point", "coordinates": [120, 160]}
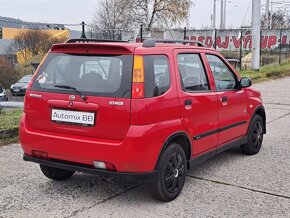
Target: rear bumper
{"type": "Point", "coordinates": [138, 152]}
{"type": "Point", "coordinates": [141, 177]}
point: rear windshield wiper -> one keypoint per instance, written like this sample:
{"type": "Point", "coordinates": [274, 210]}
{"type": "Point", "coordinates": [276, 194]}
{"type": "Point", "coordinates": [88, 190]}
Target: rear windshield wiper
{"type": "Point", "coordinates": [72, 88]}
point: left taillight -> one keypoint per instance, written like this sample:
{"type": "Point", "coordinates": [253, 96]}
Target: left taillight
{"type": "Point", "coordinates": [138, 77]}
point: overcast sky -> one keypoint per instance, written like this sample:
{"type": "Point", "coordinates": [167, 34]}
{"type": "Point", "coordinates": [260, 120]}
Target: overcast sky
{"type": "Point", "coordinates": [75, 11]}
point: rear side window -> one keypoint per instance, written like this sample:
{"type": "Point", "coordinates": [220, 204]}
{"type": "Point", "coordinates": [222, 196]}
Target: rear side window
{"type": "Point", "coordinates": [157, 75]}
{"type": "Point", "coordinates": [192, 73]}
{"type": "Point", "coordinates": [95, 75]}
{"type": "Point", "coordinates": [1, 89]}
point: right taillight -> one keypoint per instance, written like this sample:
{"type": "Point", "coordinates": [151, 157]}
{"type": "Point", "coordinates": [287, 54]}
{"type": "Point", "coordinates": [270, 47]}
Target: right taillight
{"type": "Point", "coordinates": [138, 77]}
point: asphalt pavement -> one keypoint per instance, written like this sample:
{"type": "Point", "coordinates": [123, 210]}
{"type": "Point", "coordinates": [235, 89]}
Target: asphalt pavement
{"type": "Point", "coordinates": [228, 185]}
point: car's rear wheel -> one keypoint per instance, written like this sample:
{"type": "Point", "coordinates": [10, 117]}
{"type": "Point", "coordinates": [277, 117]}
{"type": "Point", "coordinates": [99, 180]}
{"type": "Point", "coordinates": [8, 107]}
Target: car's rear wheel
{"type": "Point", "coordinates": [172, 168]}
{"type": "Point", "coordinates": [255, 136]}
{"type": "Point", "coordinates": [56, 173]}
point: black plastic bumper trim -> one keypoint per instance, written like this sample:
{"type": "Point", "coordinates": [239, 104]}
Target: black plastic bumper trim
{"type": "Point", "coordinates": [140, 177]}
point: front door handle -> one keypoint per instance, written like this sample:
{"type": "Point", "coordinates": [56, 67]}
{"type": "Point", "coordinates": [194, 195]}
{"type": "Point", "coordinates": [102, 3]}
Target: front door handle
{"type": "Point", "coordinates": [224, 100]}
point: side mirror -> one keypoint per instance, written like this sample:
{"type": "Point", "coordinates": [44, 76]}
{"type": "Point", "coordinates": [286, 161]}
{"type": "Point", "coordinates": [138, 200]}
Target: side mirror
{"type": "Point", "coordinates": [245, 82]}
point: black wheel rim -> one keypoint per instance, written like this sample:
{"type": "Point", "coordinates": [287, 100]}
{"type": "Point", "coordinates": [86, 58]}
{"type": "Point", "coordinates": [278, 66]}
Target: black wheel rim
{"type": "Point", "coordinates": [174, 173]}
{"type": "Point", "coordinates": [257, 135]}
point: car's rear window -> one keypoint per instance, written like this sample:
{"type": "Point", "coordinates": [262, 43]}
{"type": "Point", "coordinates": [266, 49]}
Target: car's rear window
{"type": "Point", "coordinates": [97, 75]}
{"type": "Point", "coordinates": [1, 89]}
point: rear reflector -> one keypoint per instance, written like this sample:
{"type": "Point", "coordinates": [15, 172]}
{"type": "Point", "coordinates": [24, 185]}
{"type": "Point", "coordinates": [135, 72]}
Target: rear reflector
{"type": "Point", "coordinates": [110, 167]}
{"type": "Point", "coordinates": [104, 165]}
{"type": "Point", "coordinates": [40, 154]}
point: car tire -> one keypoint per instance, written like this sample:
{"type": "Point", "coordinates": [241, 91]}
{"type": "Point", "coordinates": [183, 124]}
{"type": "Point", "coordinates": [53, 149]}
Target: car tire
{"type": "Point", "coordinates": [255, 136]}
{"type": "Point", "coordinates": [172, 169]}
{"type": "Point", "coordinates": [56, 173]}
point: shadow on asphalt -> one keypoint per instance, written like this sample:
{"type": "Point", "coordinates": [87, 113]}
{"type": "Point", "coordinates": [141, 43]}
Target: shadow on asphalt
{"type": "Point", "coordinates": [89, 186]}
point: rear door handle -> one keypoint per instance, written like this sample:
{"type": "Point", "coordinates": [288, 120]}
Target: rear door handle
{"type": "Point", "coordinates": [188, 102]}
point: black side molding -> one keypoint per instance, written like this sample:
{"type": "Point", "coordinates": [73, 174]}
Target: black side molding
{"type": "Point", "coordinates": [218, 130]}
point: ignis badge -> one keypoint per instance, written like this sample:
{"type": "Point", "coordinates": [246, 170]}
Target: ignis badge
{"type": "Point", "coordinates": [118, 103]}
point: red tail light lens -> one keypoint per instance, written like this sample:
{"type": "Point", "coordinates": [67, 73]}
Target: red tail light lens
{"type": "Point", "coordinates": [110, 167]}
{"type": "Point", "coordinates": [138, 90]}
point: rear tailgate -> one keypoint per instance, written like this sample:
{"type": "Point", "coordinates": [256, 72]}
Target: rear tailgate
{"type": "Point", "coordinates": [101, 73]}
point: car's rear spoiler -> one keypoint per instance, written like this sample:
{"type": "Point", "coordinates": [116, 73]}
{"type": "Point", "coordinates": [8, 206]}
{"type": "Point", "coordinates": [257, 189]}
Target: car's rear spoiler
{"type": "Point", "coordinates": [79, 46]}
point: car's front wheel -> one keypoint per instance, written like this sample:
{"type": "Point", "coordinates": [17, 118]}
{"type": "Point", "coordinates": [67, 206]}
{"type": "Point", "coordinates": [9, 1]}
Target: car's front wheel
{"type": "Point", "coordinates": [56, 173]}
{"type": "Point", "coordinates": [255, 136]}
{"type": "Point", "coordinates": [172, 168]}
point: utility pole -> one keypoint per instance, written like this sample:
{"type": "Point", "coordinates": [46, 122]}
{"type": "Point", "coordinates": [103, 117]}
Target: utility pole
{"type": "Point", "coordinates": [214, 14]}
{"type": "Point", "coordinates": [256, 28]}
{"type": "Point", "coordinates": [267, 14]}
{"type": "Point", "coordinates": [225, 11]}
{"type": "Point", "coordinates": [271, 15]}
{"type": "Point", "coordinates": [222, 15]}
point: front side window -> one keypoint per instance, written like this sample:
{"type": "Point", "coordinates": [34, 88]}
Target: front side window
{"type": "Point", "coordinates": [192, 73]}
{"type": "Point", "coordinates": [223, 76]}
{"type": "Point", "coordinates": [98, 75]}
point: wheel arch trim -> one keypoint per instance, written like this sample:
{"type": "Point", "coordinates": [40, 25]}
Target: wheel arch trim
{"type": "Point", "coordinates": [259, 108]}
{"type": "Point", "coordinates": [170, 138]}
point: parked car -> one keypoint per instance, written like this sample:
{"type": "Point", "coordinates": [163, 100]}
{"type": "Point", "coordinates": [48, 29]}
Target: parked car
{"type": "Point", "coordinates": [20, 87]}
{"type": "Point", "coordinates": [3, 95]}
{"type": "Point", "coordinates": [144, 111]}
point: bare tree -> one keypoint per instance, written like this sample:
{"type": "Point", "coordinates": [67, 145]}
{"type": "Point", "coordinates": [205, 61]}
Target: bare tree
{"type": "Point", "coordinates": [111, 16]}
{"type": "Point", "coordinates": [46, 44]}
{"type": "Point", "coordinates": [280, 20]}
{"type": "Point", "coordinates": [150, 12]}
{"type": "Point", "coordinates": [33, 42]}
{"type": "Point", "coordinates": [125, 14]}
{"type": "Point", "coordinates": [30, 41]}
